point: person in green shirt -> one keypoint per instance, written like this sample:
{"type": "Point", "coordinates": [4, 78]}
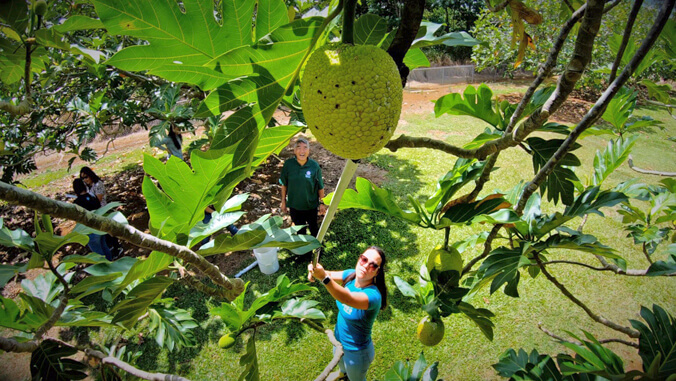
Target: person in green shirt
{"type": "Point", "coordinates": [302, 188]}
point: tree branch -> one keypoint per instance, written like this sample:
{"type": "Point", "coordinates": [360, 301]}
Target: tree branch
{"type": "Point", "coordinates": [408, 28]}
{"type": "Point", "coordinates": [132, 370]}
{"type": "Point", "coordinates": [625, 38]}
{"type": "Point", "coordinates": [559, 338]}
{"type": "Point", "coordinates": [128, 233]}
{"type": "Point", "coordinates": [201, 287]}
{"type": "Point", "coordinates": [546, 69]}
{"type": "Point", "coordinates": [58, 311]}
{"type": "Point", "coordinates": [337, 355]}
{"type": "Point", "coordinates": [404, 141]}
{"type": "Point", "coordinates": [630, 161]}
{"type": "Point", "coordinates": [579, 61]}
{"type": "Point", "coordinates": [487, 249]}
{"type": "Point", "coordinates": [599, 319]}
{"type": "Point", "coordinates": [606, 267]}
{"type": "Point", "coordinates": [498, 7]}
{"type": "Point", "coordinates": [11, 345]}
{"type": "Point", "coordinates": [611, 4]}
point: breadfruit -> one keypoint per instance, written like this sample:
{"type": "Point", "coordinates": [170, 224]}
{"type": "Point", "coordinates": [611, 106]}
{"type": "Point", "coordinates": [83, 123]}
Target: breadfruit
{"type": "Point", "coordinates": [430, 331]}
{"type": "Point", "coordinates": [444, 260]}
{"type": "Point", "coordinates": [40, 7]}
{"type": "Point", "coordinates": [226, 341]}
{"type": "Point", "coordinates": [351, 97]}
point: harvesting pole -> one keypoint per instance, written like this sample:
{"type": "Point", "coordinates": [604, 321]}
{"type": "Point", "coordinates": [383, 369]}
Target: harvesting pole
{"type": "Point", "coordinates": [350, 166]}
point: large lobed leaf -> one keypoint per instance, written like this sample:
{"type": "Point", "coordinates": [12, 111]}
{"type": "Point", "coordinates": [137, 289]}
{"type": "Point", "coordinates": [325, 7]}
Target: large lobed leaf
{"type": "Point", "coordinates": [368, 196]}
{"type": "Point", "coordinates": [476, 102]}
{"type": "Point", "coordinates": [172, 327]}
{"type": "Point", "coordinates": [527, 366]}
{"type": "Point", "coordinates": [559, 184]}
{"type": "Point", "coordinates": [191, 37]}
{"type": "Point", "coordinates": [50, 362]}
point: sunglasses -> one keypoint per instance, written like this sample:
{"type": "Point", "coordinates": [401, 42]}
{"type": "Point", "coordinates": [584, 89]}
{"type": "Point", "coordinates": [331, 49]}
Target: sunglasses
{"type": "Point", "coordinates": [371, 266]}
{"type": "Point", "coordinates": [83, 176]}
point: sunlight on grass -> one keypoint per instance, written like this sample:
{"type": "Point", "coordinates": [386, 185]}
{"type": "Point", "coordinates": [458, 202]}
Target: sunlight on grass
{"type": "Point", "coordinates": [292, 351]}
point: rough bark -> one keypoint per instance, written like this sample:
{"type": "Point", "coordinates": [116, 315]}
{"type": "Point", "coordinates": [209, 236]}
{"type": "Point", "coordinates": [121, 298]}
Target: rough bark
{"type": "Point", "coordinates": [599, 107]}
{"type": "Point", "coordinates": [128, 233]}
{"type": "Point", "coordinates": [625, 38]}
{"type": "Point", "coordinates": [410, 24]}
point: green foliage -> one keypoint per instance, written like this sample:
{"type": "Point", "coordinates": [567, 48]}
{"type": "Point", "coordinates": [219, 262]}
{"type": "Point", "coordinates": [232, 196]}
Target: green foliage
{"type": "Point", "coordinates": [171, 326]}
{"type": "Point", "coordinates": [127, 312]}
{"type": "Point", "coordinates": [438, 211]}
{"type": "Point", "coordinates": [50, 362]}
{"type": "Point", "coordinates": [559, 183]}
{"type": "Point", "coordinates": [276, 304]}
{"type": "Point", "coordinates": [591, 360]}
{"type": "Point", "coordinates": [419, 371]}
{"type": "Point", "coordinates": [527, 366]}
{"type": "Point", "coordinates": [657, 342]}
{"type": "Point", "coordinates": [652, 226]}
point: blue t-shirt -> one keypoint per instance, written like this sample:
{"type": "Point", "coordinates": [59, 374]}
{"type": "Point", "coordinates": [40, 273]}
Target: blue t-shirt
{"type": "Point", "coordinates": [353, 328]}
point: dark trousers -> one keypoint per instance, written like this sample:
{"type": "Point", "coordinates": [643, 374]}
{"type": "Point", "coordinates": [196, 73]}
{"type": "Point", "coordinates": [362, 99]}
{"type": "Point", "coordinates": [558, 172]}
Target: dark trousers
{"type": "Point", "coordinates": [305, 217]}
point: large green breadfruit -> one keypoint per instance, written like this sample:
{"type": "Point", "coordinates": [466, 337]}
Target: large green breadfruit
{"type": "Point", "coordinates": [351, 97]}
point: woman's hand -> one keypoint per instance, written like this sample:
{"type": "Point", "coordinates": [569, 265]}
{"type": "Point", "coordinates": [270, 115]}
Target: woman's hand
{"type": "Point", "coordinates": [317, 272]}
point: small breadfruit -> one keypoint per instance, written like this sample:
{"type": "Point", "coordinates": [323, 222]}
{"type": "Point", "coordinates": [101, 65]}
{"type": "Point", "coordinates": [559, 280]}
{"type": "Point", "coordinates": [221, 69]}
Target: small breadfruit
{"type": "Point", "coordinates": [351, 97]}
{"type": "Point", "coordinates": [444, 260]}
{"type": "Point", "coordinates": [40, 7]}
{"type": "Point", "coordinates": [430, 331]}
{"type": "Point", "coordinates": [226, 341]}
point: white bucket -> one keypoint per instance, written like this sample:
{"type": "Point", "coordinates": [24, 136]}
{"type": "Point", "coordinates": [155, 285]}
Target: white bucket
{"type": "Point", "coordinates": [267, 259]}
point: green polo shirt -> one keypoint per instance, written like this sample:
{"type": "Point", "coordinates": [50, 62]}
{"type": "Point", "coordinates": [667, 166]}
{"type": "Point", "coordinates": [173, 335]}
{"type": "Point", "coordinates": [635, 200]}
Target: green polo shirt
{"type": "Point", "coordinates": [303, 183]}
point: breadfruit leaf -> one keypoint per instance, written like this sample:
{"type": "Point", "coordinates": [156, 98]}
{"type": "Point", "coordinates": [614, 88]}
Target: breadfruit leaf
{"type": "Point", "coordinates": [476, 102]}
{"type": "Point", "coordinates": [50, 362]}
{"type": "Point", "coordinates": [369, 29]}
{"type": "Point", "coordinates": [657, 339]}
{"type": "Point", "coordinates": [527, 366]}
{"type": "Point", "coordinates": [370, 197]}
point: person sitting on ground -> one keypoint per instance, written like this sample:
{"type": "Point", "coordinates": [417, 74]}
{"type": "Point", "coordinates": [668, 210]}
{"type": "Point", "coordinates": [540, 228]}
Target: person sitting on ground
{"type": "Point", "coordinates": [302, 184]}
{"type": "Point", "coordinates": [173, 143]}
{"type": "Point", "coordinates": [360, 294]}
{"type": "Point", "coordinates": [94, 184]}
{"type": "Point", "coordinates": [97, 243]}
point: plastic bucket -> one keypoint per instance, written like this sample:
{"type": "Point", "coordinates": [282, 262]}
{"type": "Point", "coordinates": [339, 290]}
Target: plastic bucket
{"type": "Point", "coordinates": [267, 259]}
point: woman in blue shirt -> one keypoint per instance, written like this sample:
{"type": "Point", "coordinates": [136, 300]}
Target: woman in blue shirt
{"type": "Point", "coordinates": [360, 294]}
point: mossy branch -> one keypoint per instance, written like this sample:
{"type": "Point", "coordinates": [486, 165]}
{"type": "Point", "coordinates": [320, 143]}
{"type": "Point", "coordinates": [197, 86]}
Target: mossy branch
{"type": "Point", "coordinates": [128, 233]}
{"type": "Point", "coordinates": [581, 58]}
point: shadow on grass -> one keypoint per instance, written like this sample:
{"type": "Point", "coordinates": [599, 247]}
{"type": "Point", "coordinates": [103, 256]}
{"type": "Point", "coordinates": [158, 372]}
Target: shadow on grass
{"type": "Point", "coordinates": [403, 176]}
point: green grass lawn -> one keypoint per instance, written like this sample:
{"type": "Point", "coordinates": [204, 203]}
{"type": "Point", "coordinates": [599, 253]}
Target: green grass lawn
{"type": "Point", "coordinates": [291, 351]}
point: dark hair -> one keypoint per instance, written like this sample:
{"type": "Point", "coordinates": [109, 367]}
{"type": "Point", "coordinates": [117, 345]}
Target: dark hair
{"type": "Point", "coordinates": [379, 279]}
{"type": "Point", "coordinates": [176, 138]}
{"type": "Point", "coordinates": [79, 186]}
{"type": "Point", "coordinates": [88, 171]}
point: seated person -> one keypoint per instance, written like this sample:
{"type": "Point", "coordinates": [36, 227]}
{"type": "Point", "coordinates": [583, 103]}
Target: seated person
{"type": "Point", "coordinates": [100, 244]}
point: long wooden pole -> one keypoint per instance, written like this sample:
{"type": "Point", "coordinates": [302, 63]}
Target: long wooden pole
{"type": "Point", "coordinates": [345, 178]}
